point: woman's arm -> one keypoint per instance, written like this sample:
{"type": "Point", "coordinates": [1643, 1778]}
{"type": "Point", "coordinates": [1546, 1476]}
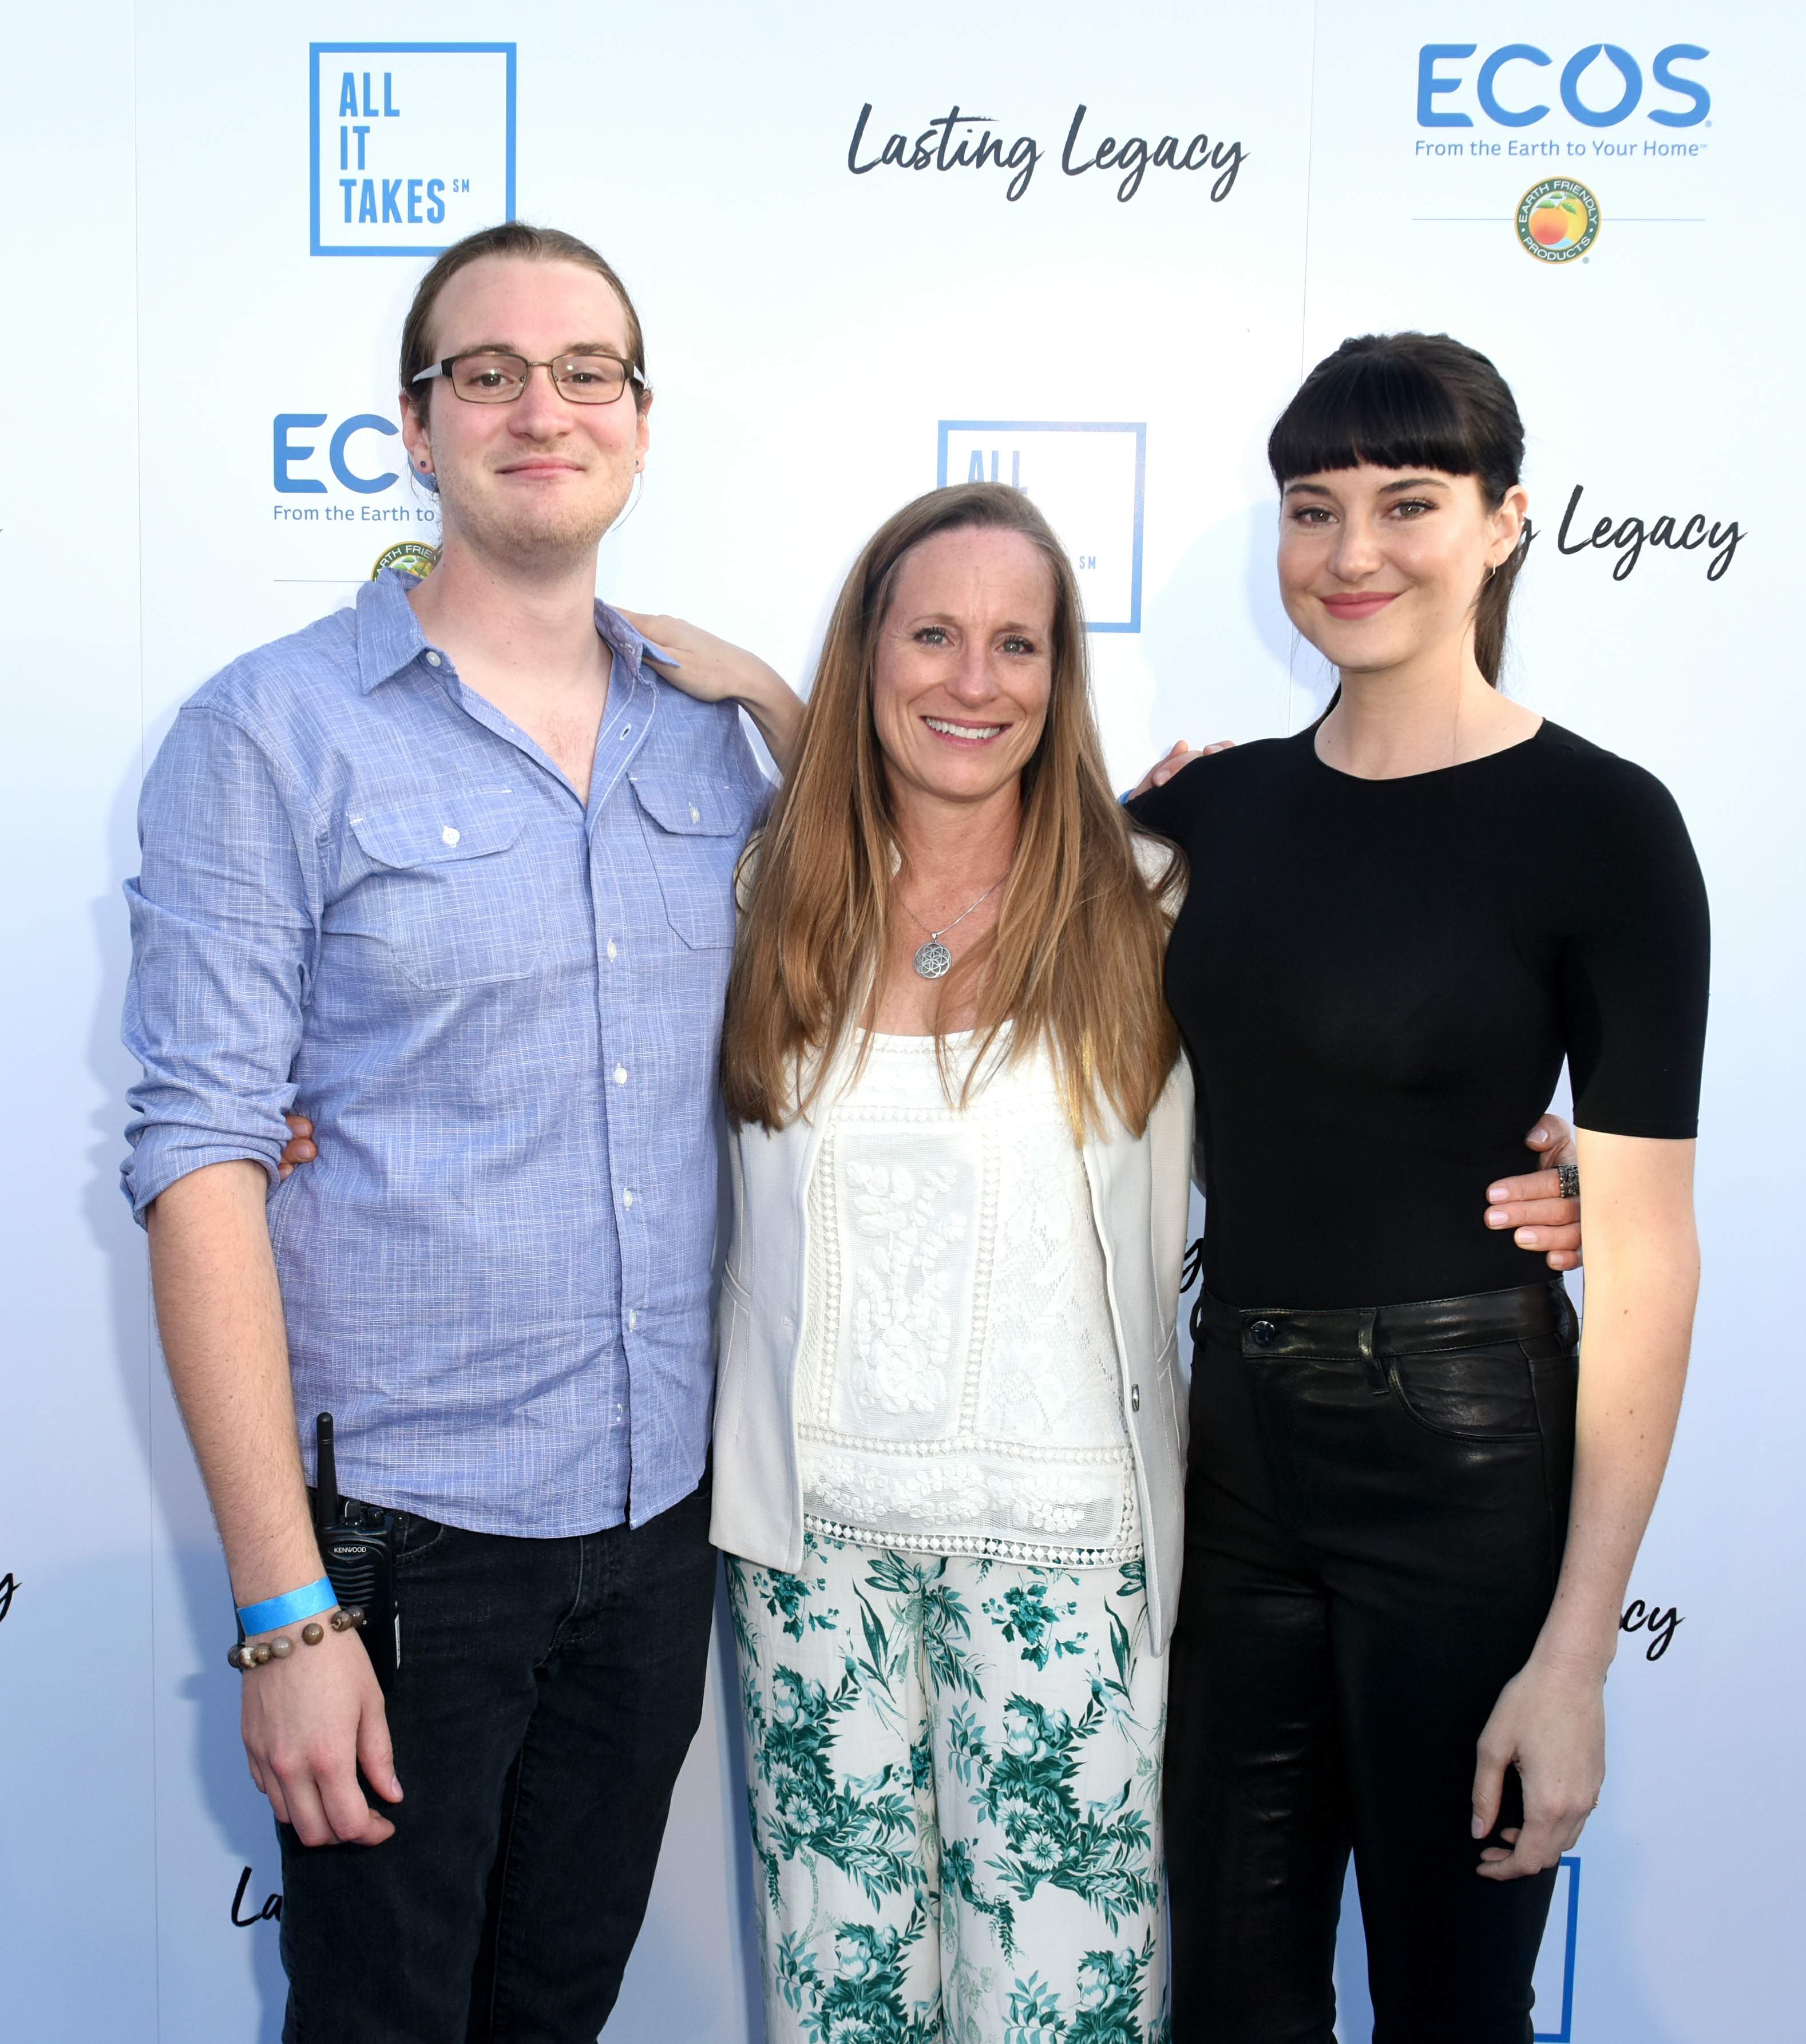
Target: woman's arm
{"type": "Point", "coordinates": [712, 670]}
{"type": "Point", "coordinates": [1642, 1277]}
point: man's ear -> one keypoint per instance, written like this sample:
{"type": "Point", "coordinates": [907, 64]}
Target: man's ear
{"type": "Point", "coordinates": [415, 436]}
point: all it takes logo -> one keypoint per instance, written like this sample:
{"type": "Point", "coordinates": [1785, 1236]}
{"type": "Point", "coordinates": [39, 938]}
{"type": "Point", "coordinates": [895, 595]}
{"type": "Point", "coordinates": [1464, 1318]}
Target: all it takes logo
{"type": "Point", "coordinates": [1557, 220]}
{"type": "Point", "coordinates": [412, 144]}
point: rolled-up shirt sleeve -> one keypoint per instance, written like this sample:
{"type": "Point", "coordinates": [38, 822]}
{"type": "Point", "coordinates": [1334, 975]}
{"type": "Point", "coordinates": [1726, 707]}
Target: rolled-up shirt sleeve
{"type": "Point", "coordinates": [225, 917]}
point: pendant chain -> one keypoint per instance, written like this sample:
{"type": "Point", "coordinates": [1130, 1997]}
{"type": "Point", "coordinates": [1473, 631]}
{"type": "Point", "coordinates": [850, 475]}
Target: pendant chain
{"type": "Point", "coordinates": [958, 919]}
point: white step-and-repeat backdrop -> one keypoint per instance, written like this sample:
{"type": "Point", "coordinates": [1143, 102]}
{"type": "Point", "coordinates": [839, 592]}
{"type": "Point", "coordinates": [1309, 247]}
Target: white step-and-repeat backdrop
{"type": "Point", "coordinates": [1084, 250]}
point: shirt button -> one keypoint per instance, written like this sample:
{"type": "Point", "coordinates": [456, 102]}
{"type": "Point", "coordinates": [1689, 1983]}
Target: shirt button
{"type": "Point", "coordinates": [627, 731]}
{"type": "Point", "coordinates": [695, 814]}
{"type": "Point", "coordinates": [632, 1319]}
{"type": "Point", "coordinates": [432, 660]}
{"type": "Point", "coordinates": [790, 1325]}
{"type": "Point", "coordinates": [1134, 1397]}
{"type": "Point", "coordinates": [620, 1074]}
{"type": "Point", "coordinates": [611, 946]}
{"type": "Point", "coordinates": [627, 1197]}
{"type": "Point", "coordinates": [1264, 1334]}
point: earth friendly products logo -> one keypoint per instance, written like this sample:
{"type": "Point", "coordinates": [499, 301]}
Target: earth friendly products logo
{"type": "Point", "coordinates": [412, 557]}
{"type": "Point", "coordinates": [1557, 220]}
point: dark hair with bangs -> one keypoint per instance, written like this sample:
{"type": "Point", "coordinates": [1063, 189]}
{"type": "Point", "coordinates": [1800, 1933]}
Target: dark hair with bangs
{"type": "Point", "coordinates": [1413, 400]}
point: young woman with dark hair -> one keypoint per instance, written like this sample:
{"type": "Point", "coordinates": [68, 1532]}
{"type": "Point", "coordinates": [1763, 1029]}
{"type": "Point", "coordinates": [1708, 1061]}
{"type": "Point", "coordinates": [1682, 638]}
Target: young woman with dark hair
{"type": "Point", "coordinates": [1412, 1500]}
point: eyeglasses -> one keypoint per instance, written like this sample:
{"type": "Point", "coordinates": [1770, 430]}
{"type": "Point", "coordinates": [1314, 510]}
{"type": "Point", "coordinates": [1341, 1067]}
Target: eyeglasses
{"type": "Point", "coordinates": [489, 378]}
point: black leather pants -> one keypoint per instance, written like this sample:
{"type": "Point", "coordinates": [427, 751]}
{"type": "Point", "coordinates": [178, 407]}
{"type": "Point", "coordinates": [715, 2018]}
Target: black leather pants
{"type": "Point", "coordinates": [1374, 1515]}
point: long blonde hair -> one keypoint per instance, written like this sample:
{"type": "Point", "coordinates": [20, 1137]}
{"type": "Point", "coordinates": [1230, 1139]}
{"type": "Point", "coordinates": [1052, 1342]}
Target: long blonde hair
{"type": "Point", "coordinates": [1075, 960]}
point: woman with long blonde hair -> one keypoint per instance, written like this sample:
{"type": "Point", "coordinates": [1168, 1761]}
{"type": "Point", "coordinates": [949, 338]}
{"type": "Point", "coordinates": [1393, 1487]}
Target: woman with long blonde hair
{"type": "Point", "coordinates": [949, 1439]}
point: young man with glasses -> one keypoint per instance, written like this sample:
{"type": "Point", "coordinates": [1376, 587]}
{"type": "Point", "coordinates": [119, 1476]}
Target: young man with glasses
{"type": "Point", "coordinates": [455, 866]}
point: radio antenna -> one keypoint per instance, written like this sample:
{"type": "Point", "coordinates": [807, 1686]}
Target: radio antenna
{"type": "Point", "coordinates": [325, 1474]}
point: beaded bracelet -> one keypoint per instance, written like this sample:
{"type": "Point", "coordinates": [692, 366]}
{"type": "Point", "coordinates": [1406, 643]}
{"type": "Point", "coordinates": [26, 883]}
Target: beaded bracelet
{"type": "Point", "coordinates": [244, 1654]}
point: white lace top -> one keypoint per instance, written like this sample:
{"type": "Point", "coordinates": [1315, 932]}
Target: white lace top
{"type": "Point", "coordinates": [958, 1389]}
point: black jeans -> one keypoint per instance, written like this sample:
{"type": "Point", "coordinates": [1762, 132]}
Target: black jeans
{"type": "Point", "coordinates": [1375, 1510]}
{"type": "Point", "coordinates": [548, 1694]}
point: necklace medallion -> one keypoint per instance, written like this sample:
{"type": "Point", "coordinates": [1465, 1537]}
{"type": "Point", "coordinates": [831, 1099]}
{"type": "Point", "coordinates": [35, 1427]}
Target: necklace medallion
{"type": "Point", "coordinates": [934, 960]}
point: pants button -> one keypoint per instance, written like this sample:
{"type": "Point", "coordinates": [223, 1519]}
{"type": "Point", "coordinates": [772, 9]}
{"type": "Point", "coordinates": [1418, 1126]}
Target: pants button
{"type": "Point", "coordinates": [1264, 1334]}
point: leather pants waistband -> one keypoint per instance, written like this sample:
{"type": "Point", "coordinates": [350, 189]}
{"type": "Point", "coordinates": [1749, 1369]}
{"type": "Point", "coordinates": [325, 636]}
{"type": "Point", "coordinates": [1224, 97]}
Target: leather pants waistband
{"type": "Point", "coordinates": [1282, 1334]}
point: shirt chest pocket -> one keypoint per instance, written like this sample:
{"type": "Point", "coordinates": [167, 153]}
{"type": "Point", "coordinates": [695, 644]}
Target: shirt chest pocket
{"type": "Point", "coordinates": [694, 829]}
{"type": "Point", "coordinates": [450, 890]}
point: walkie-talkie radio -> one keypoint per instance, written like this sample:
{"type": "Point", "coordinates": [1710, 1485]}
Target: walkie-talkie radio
{"type": "Point", "coordinates": [357, 1542]}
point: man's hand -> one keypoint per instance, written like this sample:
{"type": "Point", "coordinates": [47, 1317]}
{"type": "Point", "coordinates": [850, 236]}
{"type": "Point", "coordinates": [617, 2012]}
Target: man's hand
{"type": "Point", "coordinates": [300, 1148]}
{"type": "Point", "coordinates": [1175, 760]}
{"type": "Point", "coordinates": [1549, 1723]}
{"type": "Point", "coordinates": [310, 1723]}
{"type": "Point", "coordinates": [1533, 1206]}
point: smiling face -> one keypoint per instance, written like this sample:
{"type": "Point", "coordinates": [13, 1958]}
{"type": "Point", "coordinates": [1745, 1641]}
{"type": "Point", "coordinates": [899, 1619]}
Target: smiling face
{"type": "Point", "coordinates": [965, 664]}
{"type": "Point", "coordinates": [1378, 566]}
{"type": "Point", "coordinates": [533, 482]}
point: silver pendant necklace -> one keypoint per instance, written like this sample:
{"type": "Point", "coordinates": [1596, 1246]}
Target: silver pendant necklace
{"type": "Point", "coordinates": [933, 959]}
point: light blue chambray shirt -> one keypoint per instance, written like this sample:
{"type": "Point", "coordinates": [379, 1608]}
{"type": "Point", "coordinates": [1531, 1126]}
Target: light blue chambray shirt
{"type": "Point", "coordinates": [364, 890]}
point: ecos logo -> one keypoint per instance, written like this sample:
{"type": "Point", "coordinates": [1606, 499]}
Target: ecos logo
{"type": "Point", "coordinates": [362, 453]}
{"type": "Point", "coordinates": [413, 144]}
{"type": "Point", "coordinates": [292, 452]}
{"type": "Point", "coordinates": [1600, 85]}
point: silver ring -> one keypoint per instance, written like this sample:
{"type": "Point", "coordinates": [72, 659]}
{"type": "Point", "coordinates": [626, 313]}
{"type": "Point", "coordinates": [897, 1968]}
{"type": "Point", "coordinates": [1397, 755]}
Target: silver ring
{"type": "Point", "coordinates": [1569, 1175]}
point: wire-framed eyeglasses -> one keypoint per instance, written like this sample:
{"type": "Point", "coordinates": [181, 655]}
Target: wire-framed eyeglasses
{"type": "Point", "coordinates": [488, 377]}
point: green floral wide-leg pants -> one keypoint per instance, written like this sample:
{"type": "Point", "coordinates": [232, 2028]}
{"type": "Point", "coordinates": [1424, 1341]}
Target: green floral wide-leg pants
{"type": "Point", "coordinates": [954, 1769]}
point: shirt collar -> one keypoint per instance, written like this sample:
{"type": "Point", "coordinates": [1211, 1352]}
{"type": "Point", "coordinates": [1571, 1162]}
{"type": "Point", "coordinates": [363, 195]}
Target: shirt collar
{"type": "Point", "coordinates": [388, 636]}
{"type": "Point", "coordinates": [389, 639]}
{"type": "Point", "coordinates": [630, 647]}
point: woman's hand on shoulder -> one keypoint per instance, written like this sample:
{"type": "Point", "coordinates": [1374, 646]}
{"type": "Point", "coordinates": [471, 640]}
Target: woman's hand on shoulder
{"type": "Point", "coordinates": [702, 666]}
{"type": "Point", "coordinates": [713, 669]}
{"type": "Point", "coordinates": [1176, 761]}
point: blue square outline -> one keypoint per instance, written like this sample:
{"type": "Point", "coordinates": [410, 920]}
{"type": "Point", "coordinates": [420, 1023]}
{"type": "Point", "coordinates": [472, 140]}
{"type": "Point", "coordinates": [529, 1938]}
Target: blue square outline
{"type": "Point", "coordinates": [315, 51]}
{"type": "Point", "coordinates": [1138, 428]}
{"type": "Point", "coordinates": [1565, 2034]}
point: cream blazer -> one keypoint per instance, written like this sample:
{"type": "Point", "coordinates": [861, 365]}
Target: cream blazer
{"type": "Point", "coordinates": [1140, 1194]}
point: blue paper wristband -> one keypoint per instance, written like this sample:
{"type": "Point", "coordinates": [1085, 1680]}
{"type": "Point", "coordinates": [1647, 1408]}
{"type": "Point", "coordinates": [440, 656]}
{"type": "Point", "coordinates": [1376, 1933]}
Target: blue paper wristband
{"type": "Point", "coordinates": [288, 1609]}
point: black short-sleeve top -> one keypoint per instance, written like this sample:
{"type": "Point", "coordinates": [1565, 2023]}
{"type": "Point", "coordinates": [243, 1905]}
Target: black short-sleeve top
{"type": "Point", "coordinates": [1377, 982]}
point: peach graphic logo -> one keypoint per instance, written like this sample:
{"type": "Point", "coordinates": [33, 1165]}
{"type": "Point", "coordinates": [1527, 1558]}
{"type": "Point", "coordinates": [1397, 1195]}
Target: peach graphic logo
{"type": "Point", "coordinates": [1557, 220]}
